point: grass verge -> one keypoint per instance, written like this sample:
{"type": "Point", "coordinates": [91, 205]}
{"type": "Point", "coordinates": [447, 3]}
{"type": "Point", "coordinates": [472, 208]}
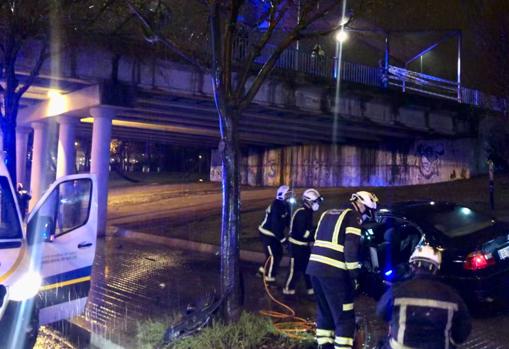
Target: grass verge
{"type": "Point", "coordinates": [250, 332]}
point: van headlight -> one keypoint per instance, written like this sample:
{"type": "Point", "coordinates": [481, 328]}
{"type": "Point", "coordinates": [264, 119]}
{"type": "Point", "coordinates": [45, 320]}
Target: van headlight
{"type": "Point", "coordinates": [26, 287]}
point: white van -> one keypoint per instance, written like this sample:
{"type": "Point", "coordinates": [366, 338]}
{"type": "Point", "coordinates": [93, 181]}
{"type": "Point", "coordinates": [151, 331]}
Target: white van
{"type": "Point", "coordinates": [45, 264]}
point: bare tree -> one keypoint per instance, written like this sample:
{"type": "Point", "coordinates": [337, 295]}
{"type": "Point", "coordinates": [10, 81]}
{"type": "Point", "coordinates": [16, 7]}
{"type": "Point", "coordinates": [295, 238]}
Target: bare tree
{"type": "Point", "coordinates": [40, 30]}
{"type": "Point", "coordinates": [271, 27]}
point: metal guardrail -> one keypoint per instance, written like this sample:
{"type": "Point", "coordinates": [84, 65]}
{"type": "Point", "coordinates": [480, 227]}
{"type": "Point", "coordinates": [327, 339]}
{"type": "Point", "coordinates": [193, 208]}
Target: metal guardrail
{"type": "Point", "coordinates": [321, 66]}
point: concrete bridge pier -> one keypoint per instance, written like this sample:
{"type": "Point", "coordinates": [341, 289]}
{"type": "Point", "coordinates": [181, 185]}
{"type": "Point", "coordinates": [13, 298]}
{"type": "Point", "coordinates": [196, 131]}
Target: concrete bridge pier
{"type": "Point", "coordinates": [39, 158]}
{"type": "Point", "coordinates": [100, 159]}
{"type": "Point", "coordinates": [66, 156]}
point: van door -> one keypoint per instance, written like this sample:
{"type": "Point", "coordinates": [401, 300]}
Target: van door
{"type": "Point", "coordinates": [62, 233]}
{"type": "Point", "coordinates": [13, 252]}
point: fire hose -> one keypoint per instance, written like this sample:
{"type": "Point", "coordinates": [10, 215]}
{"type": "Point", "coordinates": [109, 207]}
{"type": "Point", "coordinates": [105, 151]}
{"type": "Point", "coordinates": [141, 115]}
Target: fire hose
{"type": "Point", "coordinates": [286, 322]}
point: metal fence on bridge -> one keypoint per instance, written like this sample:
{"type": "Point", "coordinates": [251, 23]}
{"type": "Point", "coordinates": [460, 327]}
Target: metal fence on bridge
{"type": "Point", "coordinates": [320, 66]}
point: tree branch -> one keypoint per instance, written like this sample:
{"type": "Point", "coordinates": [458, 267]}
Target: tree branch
{"type": "Point", "coordinates": [265, 70]}
{"type": "Point", "coordinates": [172, 46]}
{"type": "Point", "coordinates": [231, 26]}
{"type": "Point", "coordinates": [274, 19]}
{"type": "Point", "coordinates": [35, 71]}
{"type": "Point", "coordinates": [274, 57]}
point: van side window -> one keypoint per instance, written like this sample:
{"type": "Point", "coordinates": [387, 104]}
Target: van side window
{"type": "Point", "coordinates": [74, 199]}
{"type": "Point", "coordinates": [10, 227]}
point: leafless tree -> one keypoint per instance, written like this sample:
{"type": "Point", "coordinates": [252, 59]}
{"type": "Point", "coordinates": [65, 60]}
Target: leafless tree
{"type": "Point", "coordinates": [267, 29]}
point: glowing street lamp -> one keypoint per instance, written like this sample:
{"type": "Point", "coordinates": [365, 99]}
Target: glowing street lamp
{"type": "Point", "coordinates": [341, 36]}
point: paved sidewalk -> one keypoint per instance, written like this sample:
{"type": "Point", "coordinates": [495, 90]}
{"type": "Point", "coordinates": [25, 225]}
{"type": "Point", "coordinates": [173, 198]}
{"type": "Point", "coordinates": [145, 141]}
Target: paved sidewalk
{"type": "Point", "coordinates": [135, 280]}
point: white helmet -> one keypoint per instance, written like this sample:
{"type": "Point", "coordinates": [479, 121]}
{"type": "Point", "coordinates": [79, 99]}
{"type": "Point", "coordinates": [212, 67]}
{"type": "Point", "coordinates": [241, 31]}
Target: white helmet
{"type": "Point", "coordinates": [282, 191]}
{"type": "Point", "coordinates": [426, 256]}
{"type": "Point", "coordinates": [366, 198]}
{"type": "Point", "coordinates": [313, 198]}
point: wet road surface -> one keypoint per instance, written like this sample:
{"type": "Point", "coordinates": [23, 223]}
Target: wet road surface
{"type": "Point", "coordinates": [135, 281]}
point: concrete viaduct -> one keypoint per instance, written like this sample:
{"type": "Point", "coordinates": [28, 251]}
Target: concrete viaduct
{"type": "Point", "coordinates": [169, 102]}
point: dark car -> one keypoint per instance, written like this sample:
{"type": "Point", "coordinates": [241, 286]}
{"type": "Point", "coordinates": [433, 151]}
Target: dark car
{"type": "Point", "coordinates": [475, 248]}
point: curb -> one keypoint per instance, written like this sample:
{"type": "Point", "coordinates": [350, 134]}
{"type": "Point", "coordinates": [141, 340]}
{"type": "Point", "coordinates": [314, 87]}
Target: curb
{"type": "Point", "coordinates": [245, 255]}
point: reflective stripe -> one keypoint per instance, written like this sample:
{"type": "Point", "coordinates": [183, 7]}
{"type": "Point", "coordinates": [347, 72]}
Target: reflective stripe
{"type": "Point", "coordinates": [298, 242]}
{"type": "Point", "coordinates": [344, 340]}
{"type": "Point", "coordinates": [330, 245]}
{"type": "Point", "coordinates": [266, 232]}
{"type": "Point", "coordinates": [396, 345]}
{"type": "Point", "coordinates": [306, 234]}
{"type": "Point", "coordinates": [424, 302]}
{"type": "Point", "coordinates": [324, 340]}
{"type": "Point", "coordinates": [347, 306]}
{"type": "Point", "coordinates": [342, 347]}
{"type": "Point", "coordinates": [353, 265]}
{"type": "Point", "coordinates": [320, 221]}
{"type": "Point", "coordinates": [324, 333]}
{"type": "Point", "coordinates": [290, 276]}
{"type": "Point", "coordinates": [328, 261]}
{"type": "Point", "coordinates": [271, 265]}
{"type": "Point", "coordinates": [293, 217]}
{"type": "Point", "coordinates": [339, 223]}
{"type": "Point", "coordinates": [261, 228]}
{"type": "Point", "coordinates": [65, 283]}
{"type": "Point", "coordinates": [352, 230]}
{"type": "Point", "coordinates": [403, 303]}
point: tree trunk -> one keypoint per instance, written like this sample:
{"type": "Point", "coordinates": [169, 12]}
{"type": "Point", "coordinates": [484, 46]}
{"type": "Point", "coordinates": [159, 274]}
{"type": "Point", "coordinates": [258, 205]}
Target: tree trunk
{"type": "Point", "coordinates": [9, 140]}
{"type": "Point", "coordinates": [230, 226]}
{"type": "Point", "coordinates": [9, 134]}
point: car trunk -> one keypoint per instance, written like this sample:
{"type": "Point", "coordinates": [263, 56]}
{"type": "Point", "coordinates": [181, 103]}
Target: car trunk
{"type": "Point", "coordinates": [488, 241]}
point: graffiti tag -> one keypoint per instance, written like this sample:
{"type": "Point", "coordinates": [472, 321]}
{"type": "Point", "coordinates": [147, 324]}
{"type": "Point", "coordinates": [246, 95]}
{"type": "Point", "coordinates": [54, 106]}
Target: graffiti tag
{"type": "Point", "coordinates": [429, 159]}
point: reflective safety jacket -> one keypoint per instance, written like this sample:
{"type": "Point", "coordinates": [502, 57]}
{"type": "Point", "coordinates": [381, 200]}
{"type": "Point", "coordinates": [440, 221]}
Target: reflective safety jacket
{"type": "Point", "coordinates": [302, 230]}
{"type": "Point", "coordinates": [424, 313]}
{"type": "Point", "coordinates": [277, 218]}
{"type": "Point", "coordinates": [335, 252]}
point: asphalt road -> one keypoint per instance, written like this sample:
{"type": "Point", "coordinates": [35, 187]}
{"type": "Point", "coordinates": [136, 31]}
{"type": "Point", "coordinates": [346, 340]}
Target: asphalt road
{"type": "Point", "coordinates": [135, 281]}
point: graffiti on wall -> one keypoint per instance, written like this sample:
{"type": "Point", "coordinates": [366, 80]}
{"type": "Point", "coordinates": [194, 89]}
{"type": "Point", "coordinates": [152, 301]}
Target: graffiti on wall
{"type": "Point", "coordinates": [428, 159]}
{"type": "Point", "coordinates": [271, 168]}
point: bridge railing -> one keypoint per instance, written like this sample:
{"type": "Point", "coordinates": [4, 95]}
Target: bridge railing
{"type": "Point", "coordinates": [321, 66]}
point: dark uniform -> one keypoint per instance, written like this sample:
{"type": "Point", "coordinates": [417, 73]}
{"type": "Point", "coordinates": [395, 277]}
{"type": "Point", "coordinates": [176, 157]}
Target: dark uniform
{"type": "Point", "coordinates": [333, 266]}
{"type": "Point", "coordinates": [301, 238]}
{"type": "Point", "coordinates": [424, 313]}
{"type": "Point", "coordinates": [277, 218]}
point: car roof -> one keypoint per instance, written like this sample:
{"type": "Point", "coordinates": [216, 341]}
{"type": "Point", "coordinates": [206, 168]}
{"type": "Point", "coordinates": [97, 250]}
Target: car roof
{"type": "Point", "coordinates": [417, 209]}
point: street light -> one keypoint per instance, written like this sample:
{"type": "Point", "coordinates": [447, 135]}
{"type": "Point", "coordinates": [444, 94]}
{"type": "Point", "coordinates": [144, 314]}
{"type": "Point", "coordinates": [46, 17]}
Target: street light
{"type": "Point", "coordinates": [341, 36]}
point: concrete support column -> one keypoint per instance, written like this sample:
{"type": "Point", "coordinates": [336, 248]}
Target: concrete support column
{"type": "Point", "coordinates": [39, 156]}
{"type": "Point", "coordinates": [21, 154]}
{"type": "Point", "coordinates": [100, 159]}
{"type": "Point", "coordinates": [66, 157]}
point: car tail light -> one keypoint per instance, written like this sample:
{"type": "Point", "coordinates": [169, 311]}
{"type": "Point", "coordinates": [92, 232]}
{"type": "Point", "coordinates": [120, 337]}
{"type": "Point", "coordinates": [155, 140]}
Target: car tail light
{"type": "Point", "coordinates": [478, 260]}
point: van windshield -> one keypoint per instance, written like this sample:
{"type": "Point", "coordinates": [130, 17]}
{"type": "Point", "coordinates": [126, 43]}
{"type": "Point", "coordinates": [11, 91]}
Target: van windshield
{"type": "Point", "coordinates": [9, 221]}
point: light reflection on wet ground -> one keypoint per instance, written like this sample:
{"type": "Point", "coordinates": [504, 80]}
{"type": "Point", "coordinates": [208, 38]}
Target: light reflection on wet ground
{"type": "Point", "coordinates": [134, 281]}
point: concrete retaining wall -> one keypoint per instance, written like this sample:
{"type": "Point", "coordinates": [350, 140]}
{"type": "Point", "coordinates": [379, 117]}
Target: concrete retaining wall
{"type": "Point", "coordinates": [421, 162]}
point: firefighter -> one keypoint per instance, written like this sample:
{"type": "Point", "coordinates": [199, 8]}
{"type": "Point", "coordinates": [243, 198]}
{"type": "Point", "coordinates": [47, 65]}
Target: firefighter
{"type": "Point", "coordinates": [334, 266]}
{"type": "Point", "coordinates": [277, 219]}
{"type": "Point", "coordinates": [423, 312]}
{"type": "Point", "coordinates": [301, 238]}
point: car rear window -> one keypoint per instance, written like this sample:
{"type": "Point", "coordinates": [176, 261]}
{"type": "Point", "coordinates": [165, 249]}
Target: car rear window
{"type": "Point", "coordinates": [456, 221]}
{"type": "Point", "coordinates": [9, 221]}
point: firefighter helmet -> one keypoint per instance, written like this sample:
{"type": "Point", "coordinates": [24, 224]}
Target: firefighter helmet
{"type": "Point", "coordinates": [313, 198]}
{"type": "Point", "coordinates": [366, 198]}
{"type": "Point", "coordinates": [426, 256]}
{"type": "Point", "coordinates": [282, 191]}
